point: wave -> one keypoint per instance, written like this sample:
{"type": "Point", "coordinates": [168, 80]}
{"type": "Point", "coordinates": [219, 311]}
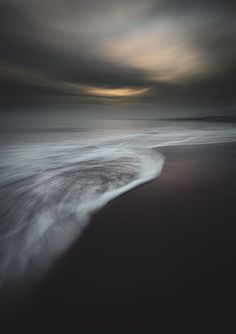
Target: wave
{"type": "Point", "coordinates": [50, 187]}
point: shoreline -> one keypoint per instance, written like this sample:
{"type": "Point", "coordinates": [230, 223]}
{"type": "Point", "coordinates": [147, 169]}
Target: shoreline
{"type": "Point", "coordinates": [162, 251]}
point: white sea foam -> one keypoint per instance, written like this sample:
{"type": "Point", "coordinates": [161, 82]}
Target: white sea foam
{"type": "Point", "coordinates": [50, 187]}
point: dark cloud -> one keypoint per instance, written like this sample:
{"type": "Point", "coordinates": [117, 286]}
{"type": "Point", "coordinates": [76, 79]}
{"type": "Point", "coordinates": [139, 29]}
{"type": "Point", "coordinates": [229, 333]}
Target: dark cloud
{"type": "Point", "coordinates": [184, 51]}
{"type": "Point", "coordinates": [180, 7]}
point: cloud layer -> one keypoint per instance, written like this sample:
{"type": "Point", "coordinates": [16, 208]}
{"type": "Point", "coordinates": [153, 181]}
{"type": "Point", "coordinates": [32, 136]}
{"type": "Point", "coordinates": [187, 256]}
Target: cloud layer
{"type": "Point", "coordinates": [174, 51]}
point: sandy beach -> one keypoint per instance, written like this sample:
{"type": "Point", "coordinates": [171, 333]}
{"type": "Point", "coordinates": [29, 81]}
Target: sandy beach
{"type": "Point", "coordinates": [160, 255]}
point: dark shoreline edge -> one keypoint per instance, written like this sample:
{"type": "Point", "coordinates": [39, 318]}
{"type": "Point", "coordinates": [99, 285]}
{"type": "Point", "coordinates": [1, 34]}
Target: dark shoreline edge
{"type": "Point", "coordinates": [141, 262]}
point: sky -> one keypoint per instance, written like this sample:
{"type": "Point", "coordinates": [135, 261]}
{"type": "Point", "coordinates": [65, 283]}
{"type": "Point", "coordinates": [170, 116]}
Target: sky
{"type": "Point", "coordinates": [99, 52]}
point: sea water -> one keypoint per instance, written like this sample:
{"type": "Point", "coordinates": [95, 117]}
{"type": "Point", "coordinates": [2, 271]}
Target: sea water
{"type": "Point", "coordinates": [53, 180]}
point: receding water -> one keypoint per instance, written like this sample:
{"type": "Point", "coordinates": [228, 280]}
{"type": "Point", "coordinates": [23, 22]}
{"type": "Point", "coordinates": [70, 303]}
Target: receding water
{"type": "Point", "coordinates": [52, 181]}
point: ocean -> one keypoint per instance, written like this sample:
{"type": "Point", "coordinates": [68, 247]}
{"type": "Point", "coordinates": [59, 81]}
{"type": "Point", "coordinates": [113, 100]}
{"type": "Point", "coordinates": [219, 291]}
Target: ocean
{"type": "Point", "coordinates": [53, 179]}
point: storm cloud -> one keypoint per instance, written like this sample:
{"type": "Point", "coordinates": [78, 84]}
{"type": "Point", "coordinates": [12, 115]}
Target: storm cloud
{"type": "Point", "coordinates": [151, 51]}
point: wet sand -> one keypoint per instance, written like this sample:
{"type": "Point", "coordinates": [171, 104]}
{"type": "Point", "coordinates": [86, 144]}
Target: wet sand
{"type": "Point", "coordinates": [162, 255]}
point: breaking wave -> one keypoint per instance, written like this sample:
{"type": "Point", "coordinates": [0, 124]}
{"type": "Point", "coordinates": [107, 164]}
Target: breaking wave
{"type": "Point", "coordinates": [50, 188]}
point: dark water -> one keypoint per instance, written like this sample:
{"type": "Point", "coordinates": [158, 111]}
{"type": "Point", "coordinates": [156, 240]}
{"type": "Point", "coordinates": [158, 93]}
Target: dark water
{"type": "Point", "coordinates": [52, 181]}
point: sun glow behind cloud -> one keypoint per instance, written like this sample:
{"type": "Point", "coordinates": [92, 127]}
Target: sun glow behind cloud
{"type": "Point", "coordinates": [112, 92]}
